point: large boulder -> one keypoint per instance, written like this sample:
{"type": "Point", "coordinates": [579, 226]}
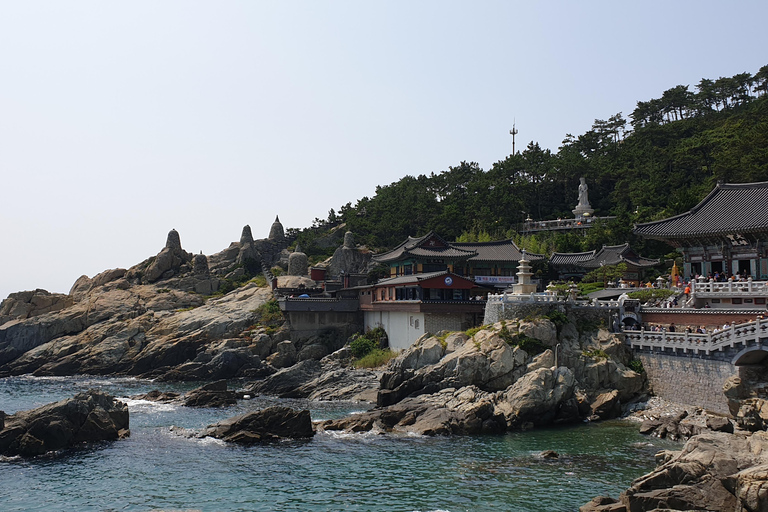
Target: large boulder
{"type": "Point", "coordinates": [541, 397]}
{"type": "Point", "coordinates": [87, 417]}
{"type": "Point", "coordinates": [268, 424]}
{"type": "Point", "coordinates": [214, 394]}
{"type": "Point", "coordinates": [288, 382]}
{"type": "Point", "coordinates": [432, 364]}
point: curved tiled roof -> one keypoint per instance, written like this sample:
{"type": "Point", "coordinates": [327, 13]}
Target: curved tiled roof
{"type": "Point", "coordinates": [571, 258]}
{"type": "Point", "coordinates": [615, 254]}
{"type": "Point", "coordinates": [501, 250]}
{"type": "Point", "coordinates": [729, 209]}
{"type": "Point", "coordinates": [415, 247]}
{"type": "Point", "coordinates": [608, 255]}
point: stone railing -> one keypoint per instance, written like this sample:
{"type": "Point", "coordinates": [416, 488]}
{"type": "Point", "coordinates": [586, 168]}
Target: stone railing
{"type": "Point", "coordinates": [748, 288]}
{"type": "Point", "coordinates": [743, 334]}
{"type": "Point", "coordinates": [511, 298]}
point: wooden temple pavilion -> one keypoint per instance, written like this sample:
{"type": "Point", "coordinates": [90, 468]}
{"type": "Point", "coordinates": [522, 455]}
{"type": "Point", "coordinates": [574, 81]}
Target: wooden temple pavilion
{"type": "Point", "coordinates": [487, 263]}
{"type": "Point", "coordinates": [576, 264]}
{"type": "Point", "coordinates": [725, 234]}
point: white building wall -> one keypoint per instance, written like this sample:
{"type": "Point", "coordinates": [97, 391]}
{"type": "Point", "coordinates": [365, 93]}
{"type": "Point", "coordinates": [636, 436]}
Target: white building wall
{"type": "Point", "coordinates": [402, 328]}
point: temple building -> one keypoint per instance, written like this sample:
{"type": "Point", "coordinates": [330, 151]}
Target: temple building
{"type": "Point", "coordinates": [725, 234]}
{"type": "Point", "coordinates": [487, 263]}
{"type": "Point", "coordinates": [575, 265]}
{"type": "Point", "coordinates": [408, 306]}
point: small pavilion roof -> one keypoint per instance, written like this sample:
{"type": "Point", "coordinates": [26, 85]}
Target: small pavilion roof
{"type": "Point", "coordinates": [615, 254]}
{"type": "Point", "coordinates": [730, 208]}
{"type": "Point", "coordinates": [608, 255]}
{"type": "Point", "coordinates": [571, 258]}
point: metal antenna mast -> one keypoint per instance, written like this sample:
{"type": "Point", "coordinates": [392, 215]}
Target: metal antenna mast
{"type": "Point", "coordinates": [513, 132]}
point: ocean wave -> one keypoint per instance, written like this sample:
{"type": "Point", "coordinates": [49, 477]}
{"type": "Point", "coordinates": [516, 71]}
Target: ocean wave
{"type": "Point", "coordinates": [137, 406]}
{"type": "Point", "coordinates": [208, 440]}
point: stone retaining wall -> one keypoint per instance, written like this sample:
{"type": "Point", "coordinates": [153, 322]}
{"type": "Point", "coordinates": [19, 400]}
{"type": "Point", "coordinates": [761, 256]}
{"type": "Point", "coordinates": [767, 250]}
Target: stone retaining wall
{"type": "Point", "coordinates": [688, 379]}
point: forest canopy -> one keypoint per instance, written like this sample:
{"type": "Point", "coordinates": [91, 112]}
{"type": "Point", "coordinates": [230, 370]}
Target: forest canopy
{"type": "Point", "coordinates": [661, 162]}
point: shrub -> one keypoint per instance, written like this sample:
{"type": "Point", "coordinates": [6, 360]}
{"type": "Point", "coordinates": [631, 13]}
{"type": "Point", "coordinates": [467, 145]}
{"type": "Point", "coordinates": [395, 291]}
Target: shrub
{"type": "Point", "coordinates": [531, 345]}
{"type": "Point", "coordinates": [559, 319]}
{"type": "Point", "coordinates": [269, 312]}
{"type": "Point", "coordinates": [377, 334]}
{"type": "Point", "coordinates": [362, 345]}
{"type": "Point", "coordinates": [595, 354]}
{"type": "Point", "coordinates": [471, 332]}
{"type": "Point", "coordinates": [636, 365]}
{"type": "Point", "coordinates": [259, 280]}
{"type": "Point", "coordinates": [649, 294]}
{"type": "Point", "coordinates": [375, 358]}
{"type": "Point", "coordinates": [587, 288]}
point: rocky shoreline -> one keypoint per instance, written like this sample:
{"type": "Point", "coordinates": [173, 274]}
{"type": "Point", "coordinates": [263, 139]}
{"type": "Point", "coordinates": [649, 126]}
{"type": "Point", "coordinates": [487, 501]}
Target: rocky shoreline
{"type": "Point", "coordinates": [154, 321]}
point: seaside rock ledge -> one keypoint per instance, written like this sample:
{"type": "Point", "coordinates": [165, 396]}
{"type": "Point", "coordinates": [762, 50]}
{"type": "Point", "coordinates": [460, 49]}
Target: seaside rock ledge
{"type": "Point", "coordinates": [270, 424]}
{"type": "Point", "coordinates": [87, 417]}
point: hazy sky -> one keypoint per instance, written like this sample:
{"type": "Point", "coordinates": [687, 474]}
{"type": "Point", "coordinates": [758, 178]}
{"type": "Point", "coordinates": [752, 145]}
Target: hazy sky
{"type": "Point", "coordinates": [122, 120]}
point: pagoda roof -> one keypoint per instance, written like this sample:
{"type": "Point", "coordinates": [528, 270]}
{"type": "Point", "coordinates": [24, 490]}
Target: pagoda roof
{"type": "Point", "coordinates": [501, 250]}
{"type": "Point", "coordinates": [730, 208]}
{"type": "Point", "coordinates": [432, 245]}
{"type": "Point", "coordinates": [615, 254]}
{"type": "Point", "coordinates": [608, 255]}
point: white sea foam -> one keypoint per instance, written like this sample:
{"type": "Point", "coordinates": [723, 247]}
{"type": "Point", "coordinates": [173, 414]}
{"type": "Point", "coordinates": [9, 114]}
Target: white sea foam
{"type": "Point", "coordinates": [135, 406]}
{"type": "Point", "coordinates": [210, 440]}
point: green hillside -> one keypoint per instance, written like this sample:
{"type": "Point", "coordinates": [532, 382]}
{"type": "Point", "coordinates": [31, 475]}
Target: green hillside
{"type": "Point", "coordinates": [660, 162]}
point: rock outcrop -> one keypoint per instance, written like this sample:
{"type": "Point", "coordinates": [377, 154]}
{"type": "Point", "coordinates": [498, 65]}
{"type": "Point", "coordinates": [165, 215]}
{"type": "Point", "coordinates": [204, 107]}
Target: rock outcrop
{"type": "Point", "coordinates": [141, 330]}
{"type": "Point", "coordinates": [269, 424]}
{"type": "Point", "coordinates": [331, 378]}
{"type": "Point", "coordinates": [88, 417]}
{"type": "Point", "coordinates": [168, 261]}
{"type": "Point", "coordinates": [214, 394]}
{"type": "Point", "coordinates": [455, 383]}
{"type": "Point", "coordinates": [716, 471]}
{"type": "Point", "coordinates": [23, 305]}
{"type": "Point", "coordinates": [347, 259]}
{"type": "Point", "coordinates": [540, 398]}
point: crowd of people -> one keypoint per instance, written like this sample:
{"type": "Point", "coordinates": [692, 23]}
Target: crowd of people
{"type": "Point", "coordinates": [689, 329]}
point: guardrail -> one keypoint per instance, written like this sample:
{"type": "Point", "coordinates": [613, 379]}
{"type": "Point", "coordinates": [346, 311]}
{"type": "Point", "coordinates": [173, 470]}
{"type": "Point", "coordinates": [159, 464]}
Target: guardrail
{"type": "Point", "coordinates": [713, 288]}
{"type": "Point", "coordinates": [511, 298]}
{"type": "Point", "coordinates": [734, 335]}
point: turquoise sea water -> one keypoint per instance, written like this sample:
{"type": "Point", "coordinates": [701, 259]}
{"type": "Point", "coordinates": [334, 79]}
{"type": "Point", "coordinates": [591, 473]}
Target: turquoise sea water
{"type": "Point", "coordinates": [157, 469]}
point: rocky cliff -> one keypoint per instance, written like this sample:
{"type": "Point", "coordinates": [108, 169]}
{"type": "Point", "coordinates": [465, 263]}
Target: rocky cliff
{"type": "Point", "coordinates": [493, 380]}
{"type": "Point", "coordinates": [159, 318]}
